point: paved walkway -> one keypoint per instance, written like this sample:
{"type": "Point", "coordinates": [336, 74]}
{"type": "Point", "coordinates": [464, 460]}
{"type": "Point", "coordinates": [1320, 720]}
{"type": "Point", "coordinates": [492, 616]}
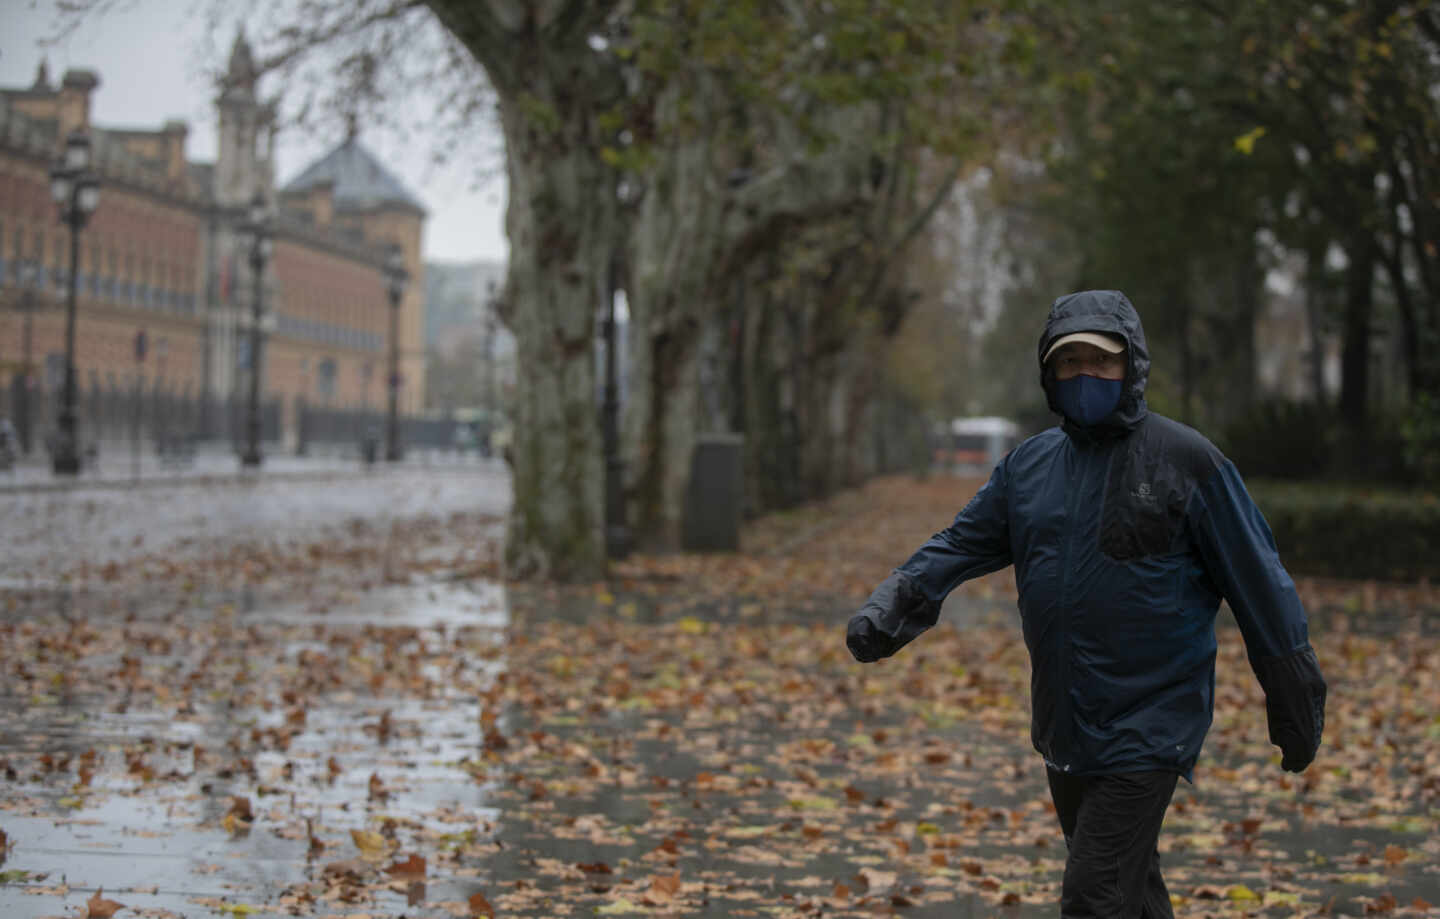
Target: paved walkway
{"type": "Point", "coordinates": [365, 722]}
{"type": "Point", "coordinates": [118, 468]}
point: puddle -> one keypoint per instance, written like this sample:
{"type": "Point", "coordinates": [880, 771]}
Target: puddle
{"type": "Point", "coordinates": [151, 829]}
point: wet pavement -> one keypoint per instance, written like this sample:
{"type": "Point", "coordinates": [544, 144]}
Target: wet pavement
{"type": "Point", "coordinates": [153, 832]}
{"type": "Point", "coordinates": [280, 715]}
{"type": "Point", "coordinates": [49, 533]}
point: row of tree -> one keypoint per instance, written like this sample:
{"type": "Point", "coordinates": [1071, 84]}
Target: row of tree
{"type": "Point", "coordinates": [755, 174]}
{"type": "Point", "coordinates": [751, 174]}
{"type": "Point", "coordinates": [1205, 144]}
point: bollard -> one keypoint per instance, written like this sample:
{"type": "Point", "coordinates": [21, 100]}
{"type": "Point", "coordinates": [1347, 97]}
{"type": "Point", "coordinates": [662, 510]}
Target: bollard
{"type": "Point", "coordinates": [715, 499]}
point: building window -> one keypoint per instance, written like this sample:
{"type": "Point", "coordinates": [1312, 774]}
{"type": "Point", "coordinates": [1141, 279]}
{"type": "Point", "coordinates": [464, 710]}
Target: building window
{"type": "Point", "coordinates": [325, 378]}
{"type": "Point", "coordinates": [54, 371]}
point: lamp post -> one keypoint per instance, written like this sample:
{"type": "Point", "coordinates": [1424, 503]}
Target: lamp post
{"type": "Point", "coordinates": [492, 319]}
{"type": "Point", "coordinates": [259, 229]}
{"type": "Point", "coordinates": [77, 193]}
{"type": "Point", "coordinates": [30, 275]}
{"type": "Point", "coordinates": [617, 535]}
{"type": "Point", "coordinates": [395, 278]}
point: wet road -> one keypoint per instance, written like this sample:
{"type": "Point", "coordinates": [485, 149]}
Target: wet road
{"type": "Point", "coordinates": [47, 532]}
{"type": "Point", "coordinates": [372, 754]}
{"type": "Point", "coordinates": [243, 733]}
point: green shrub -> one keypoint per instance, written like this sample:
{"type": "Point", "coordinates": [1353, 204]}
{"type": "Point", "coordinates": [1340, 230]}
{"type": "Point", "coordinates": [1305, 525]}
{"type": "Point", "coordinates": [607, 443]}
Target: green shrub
{"type": "Point", "coordinates": [1420, 430]}
{"type": "Point", "coordinates": [1349, 532]}
{"type": "Point", "coordinates": [1280, 439]}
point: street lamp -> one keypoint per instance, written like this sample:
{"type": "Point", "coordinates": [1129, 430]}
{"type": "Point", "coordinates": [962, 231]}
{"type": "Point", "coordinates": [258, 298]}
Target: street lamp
{"type": "Point", "coordinates": [395, 278]}
{"type": "Point", "coordinates": [492, 319]}
{"type": "Point", "coordinates": [31, 279]}
{"type": "Point", "coordinates": [258, 226]}
{"type": "Point", "coordinates": [77, 193]}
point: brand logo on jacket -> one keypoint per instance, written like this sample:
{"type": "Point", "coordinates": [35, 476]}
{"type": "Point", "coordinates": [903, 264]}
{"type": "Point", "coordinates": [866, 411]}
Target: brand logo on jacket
{"type": "Point", "coordinates": [1143, 492]}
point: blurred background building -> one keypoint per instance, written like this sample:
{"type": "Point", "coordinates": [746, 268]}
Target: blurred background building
{"type": "Point", "coordinates": [166, 254]}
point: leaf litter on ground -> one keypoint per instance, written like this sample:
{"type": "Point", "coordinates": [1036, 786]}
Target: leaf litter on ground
{"type": "Point", "coordinates": [690, 735]}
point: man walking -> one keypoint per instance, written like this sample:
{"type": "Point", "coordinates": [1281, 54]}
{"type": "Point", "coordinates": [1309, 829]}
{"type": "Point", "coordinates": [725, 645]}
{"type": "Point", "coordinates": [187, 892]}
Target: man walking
{"type": "Point", "coordinates": [1126, 529]}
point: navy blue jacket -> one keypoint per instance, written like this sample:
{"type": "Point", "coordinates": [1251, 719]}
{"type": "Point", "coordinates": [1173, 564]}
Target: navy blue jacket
{"type": "Point", "coordinates": [1124, 536]}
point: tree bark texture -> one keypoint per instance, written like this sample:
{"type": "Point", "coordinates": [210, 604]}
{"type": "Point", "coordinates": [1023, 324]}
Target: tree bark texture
{"type": "Point", "coordinates": [561, 221]}
{"type": "Point", "coordinates": [697, 227]}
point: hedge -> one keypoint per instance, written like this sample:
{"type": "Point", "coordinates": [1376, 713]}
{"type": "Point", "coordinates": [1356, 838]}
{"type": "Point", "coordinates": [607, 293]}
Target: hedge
{"type": "Point", "coordinates": [1338, 531]}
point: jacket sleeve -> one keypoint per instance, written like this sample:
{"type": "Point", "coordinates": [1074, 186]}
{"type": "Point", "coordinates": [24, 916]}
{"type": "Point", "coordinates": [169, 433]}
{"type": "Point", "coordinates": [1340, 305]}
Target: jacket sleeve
{"type": "Point", "coordinates": [908, 602]}
{"type": "Point", "coordinates": [1240, 556]}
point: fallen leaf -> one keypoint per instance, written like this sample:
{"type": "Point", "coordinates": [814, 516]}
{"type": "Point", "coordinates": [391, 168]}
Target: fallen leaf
{"type": "Point", "coordinates": [479, 906]}
{"type": "Point", "coordinates": [413, 865]}
{"type": "Point", "coordinates": [240, 809]}
{"type": "Point", "coordinates": [352, 869]}
{"type": "Point", "coordinates": [369, 842]}
{"type": "Point", "coordinates": [98, 907]}
{"type": "Point", "coordinates": [664, 887]}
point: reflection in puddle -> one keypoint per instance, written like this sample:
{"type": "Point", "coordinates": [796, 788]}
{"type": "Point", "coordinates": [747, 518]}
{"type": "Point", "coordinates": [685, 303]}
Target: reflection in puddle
{"type": "Point", "coordinates": [153, 825]}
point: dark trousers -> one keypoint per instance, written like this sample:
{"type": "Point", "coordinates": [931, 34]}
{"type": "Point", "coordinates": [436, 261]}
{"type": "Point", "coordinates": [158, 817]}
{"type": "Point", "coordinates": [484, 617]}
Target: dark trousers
{"type": "Point", "coordinates": [1111, 824]}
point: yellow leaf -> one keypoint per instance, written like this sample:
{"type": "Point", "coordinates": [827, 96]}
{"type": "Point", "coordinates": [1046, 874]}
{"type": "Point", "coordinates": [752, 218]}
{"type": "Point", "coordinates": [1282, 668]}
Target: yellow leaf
{"type": "Point", "coordinates": [237, 909]}
{"type": "Point", "coordinates": [368, 842]}
{"type": "Point", "coordinates": [619, 907]}
{"type": "Point", "coordinates": [1245, 143]}
{"type": "Point", "coordinates": [692, 626]}
{"type": "Point", "coordinates": [1240, 892]}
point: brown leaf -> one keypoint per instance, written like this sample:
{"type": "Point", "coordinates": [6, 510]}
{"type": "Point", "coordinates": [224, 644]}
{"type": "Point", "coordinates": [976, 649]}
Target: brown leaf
{"type": "Point", "coordinates": [377, 788]}
{"type": "Point", "coordinates": [413, 865]}
{"type": "Point", "coordinates": [351, 869]}
{"type": "Point", "coordinates": [479, 906]}
{"type": "Point", "coordinates": [664, 886]}
{"type": "Point", "coordinates": [240, 809]}
{"type": "Point", "coordinates": [99, 908]}
{"type": "Point", "coordinates": [1394, 855]}
{"type": "Point", "coordinates": [1385, 903]}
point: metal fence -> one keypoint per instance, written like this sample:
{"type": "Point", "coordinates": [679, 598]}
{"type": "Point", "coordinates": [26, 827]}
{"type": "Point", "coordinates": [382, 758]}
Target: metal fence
{"type": "Point", "coordinates": [318, 425]}
{"type": "Point", "coordinates": [166, 418]}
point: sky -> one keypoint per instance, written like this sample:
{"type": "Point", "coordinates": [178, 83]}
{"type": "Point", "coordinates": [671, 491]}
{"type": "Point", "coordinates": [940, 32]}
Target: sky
{"type": "Point", "coordinates": [150, 56]}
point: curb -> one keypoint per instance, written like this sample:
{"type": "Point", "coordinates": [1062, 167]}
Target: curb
{"type": "Point", "coordinates": [231, 478]}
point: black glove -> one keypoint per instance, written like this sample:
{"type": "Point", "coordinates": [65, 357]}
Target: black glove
{"type": "Point", "coordinates": [864, 640]}
{"type": "Point", "coordinates": [1294, 706]}
{"type": "Point", "coordinates": [894, 615]}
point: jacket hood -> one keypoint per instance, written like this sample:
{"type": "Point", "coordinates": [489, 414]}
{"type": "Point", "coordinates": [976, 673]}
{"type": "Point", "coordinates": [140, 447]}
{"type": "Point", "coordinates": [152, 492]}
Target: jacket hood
{"type": "Point", "coordinates": [1111, 312]}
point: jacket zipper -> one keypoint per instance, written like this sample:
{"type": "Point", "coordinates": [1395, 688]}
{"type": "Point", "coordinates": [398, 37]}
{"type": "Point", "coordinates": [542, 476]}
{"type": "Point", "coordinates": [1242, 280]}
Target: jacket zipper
{"type": "Point", "coordinates": [1063, 717]}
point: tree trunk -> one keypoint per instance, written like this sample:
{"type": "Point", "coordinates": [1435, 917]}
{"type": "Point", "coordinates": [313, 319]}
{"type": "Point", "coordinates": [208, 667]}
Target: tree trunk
{"type": "Point", "coordinates": [1315, 295]}
{"type": "Point", "coordinates": [698, 224]}
{"type": "Point", "coordinates": [1355, 356]}
{"type": "Point", "coordinates": [561, 221]}
{"type": "Point", "coordinates": [560, 232]}
{"type": "Point", "coordinates": [674, 248]}
{"type": "Point", "coordinates": [1249, 281]}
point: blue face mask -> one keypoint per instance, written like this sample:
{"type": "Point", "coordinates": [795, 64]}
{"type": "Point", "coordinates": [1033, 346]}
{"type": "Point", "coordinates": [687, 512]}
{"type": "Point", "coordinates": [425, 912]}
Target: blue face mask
{"type": "Point", "coordinates": [1086, 400]}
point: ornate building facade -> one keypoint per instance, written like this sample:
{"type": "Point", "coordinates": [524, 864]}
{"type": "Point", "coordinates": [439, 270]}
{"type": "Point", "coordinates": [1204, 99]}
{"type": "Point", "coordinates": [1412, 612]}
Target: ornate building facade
{"type": "Point", "coordinates": [167, 253]}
